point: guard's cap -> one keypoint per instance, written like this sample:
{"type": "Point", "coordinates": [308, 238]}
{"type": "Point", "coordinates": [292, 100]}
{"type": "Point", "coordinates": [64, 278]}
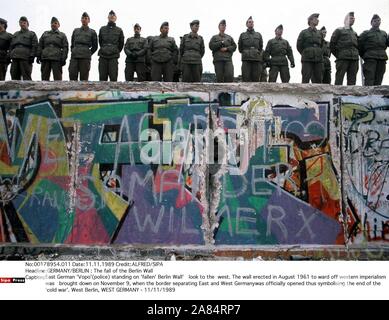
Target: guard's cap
{"type": "Point", "coordinates": [194, 22]}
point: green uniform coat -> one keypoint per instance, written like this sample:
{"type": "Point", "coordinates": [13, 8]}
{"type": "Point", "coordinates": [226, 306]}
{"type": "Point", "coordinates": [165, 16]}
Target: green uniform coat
{"type": "Point", "coordinates": [53, 46]}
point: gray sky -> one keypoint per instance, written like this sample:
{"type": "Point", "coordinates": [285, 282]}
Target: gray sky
{"type": "Point", "coordinates": [150, 14]}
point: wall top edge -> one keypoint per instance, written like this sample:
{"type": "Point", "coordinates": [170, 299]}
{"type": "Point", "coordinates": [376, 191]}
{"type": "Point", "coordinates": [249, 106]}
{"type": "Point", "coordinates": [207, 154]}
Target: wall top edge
{"type": "Point", "coordinates": [249, 88]}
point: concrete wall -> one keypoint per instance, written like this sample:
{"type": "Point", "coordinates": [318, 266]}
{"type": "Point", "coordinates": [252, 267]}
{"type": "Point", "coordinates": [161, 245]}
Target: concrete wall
{"type": "Point", "coordinates": [304, 165]}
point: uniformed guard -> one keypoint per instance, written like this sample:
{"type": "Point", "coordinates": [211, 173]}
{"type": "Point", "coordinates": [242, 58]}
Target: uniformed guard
{"type": "Point", "coordinates": [52, 52]}
{"type": "Point", "coordinates": [5, 44]}
{"type": "Point", "coordinates": [84, 45]}
{"type": "Point", "coordinates": [192, 50]}
{"type": "Point", "coordinates": [111, 40]}
{"type": "Point", "coordinates": [372, 49]}
{"type": "Point", "coordinates": [24, 45]}
{"type": "Point", "coordinates": [344, 46]}
{"type": "Point", "coordinates": [223, 47]}
{"type": "Point", "coordinates": [251, 46]}
{"type": "Point", "coordinates": [277, 53]}
{"type": "Point", "coordinates": [164, 54]}
{"type": "Point", "coordinates": [327, 70]}
{"type": "Point", "coordinates": [310, 46]}
{"type": "Point", "coordinates": [177, 71]}
{"type": "Point", "coordinates": [136, 50]}
{"type": "Point", "coordinates": [148, 59]}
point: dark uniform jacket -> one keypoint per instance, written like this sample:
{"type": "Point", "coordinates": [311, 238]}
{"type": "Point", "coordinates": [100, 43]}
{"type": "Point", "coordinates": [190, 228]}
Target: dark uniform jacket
{"type": "Point", "coordinates": [192, 49]}
{"type": "Point", "coordinates": [310, 45]}
{"type": "Point", "coordinates": [111, 39]}
{"type": "Point", "coordinates": [136, 49]}
{"type": "Point", "coordinates": [24, 45]}
{"type": "Point", "coordinates": [251, 46]}
{"type": "Point", "coordinates": [84, 43]}
{"type": "Point", "coordinates": [326, 55]}
{"type": "Point", "coordinates": [217, 42]}
{"type": "Point", "coordinates": [344, 44]}
{"type": "Point", "coordinates": [5, 44]}
{"type": "Point", "coordinates": [53, 46]}
{"type": "Point", "coordinates": [163, 49]}
{"type": "Point", "coordinates": [276, 52]}
{"type": "Point", "coordinates": [373, 44]}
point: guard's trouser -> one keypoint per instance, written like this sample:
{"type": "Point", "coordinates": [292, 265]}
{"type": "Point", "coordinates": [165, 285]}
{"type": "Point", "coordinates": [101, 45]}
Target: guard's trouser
{"type": "Point", "coordinates": [79, 67]}
{"type": "Point", "coordinates": [21, 70]}
{"type": "Point", "coordinates": [282, 70]}
{"type": "Point", "coordinates": [162, 71]}
{"type": "Point", "coordinates": [351, 67]}
{"type": "Point", "coordinates": [251, 71]}
{"type": "Point", "coordinates": [374, 71]}
{"type": "Point", "coordinates": [224, 71]}
{"type": "Point", "coordinates": [312, 71]}
{"type": "Point", "coordinates": [48, 66]}
{"type": "Point", "coordinates": [108, 68]}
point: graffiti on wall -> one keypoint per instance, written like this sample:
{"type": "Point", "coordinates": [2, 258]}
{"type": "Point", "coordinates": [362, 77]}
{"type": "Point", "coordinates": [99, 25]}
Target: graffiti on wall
{"type": "Point", "coordinates": [366, 167]}
{"type": "Point", "coordinates": [187, 168]}
{"type": "Point", "coordinates": [288, 192]}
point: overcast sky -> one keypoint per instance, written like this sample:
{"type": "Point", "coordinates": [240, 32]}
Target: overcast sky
{"type": "Point", "coordinates": [151, 13]}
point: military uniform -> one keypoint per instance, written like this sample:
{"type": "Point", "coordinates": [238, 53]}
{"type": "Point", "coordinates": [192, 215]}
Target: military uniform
{"type": "Point", "coordinates": [327, 70]}
{"type": "Point", "coordinates": [310, 46]}
{"type": "Point", "coordinates": [222, 61]}
{"type": "Point", "coordinates": [5, 44]}
{"type": "Point", "coordinates": [264, 77]}
{"type": "Point", "coordinates": [23, 49]}
{"type": "Point", "coordinates": [136, 51]}
{"type": "Point", "coordinates": [276, 53]}
{"type": "Point", "coordinates": [251, 46]}
{"type": "Point", "coordinates": [192, 50]}
{"type": "Point", "coordinates": [52, 52]}
{"type": "Point", "coordinates": [84, 45]}
{"type": "Point", "coordinates": [111, 39]}
{"type": "Point", "coordinates": [344, 46]}
{"type": "Point", "coordinates": [164, 54]}
{"type": "Point", "coordinates": [372, 48]}
{"type": "Point", "coordinates": [148, 59]}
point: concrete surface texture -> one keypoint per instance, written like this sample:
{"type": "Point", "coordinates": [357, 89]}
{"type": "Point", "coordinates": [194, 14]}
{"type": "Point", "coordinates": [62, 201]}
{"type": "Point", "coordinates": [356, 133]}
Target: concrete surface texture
{"type": "Point", "coordinates": [205, 165]}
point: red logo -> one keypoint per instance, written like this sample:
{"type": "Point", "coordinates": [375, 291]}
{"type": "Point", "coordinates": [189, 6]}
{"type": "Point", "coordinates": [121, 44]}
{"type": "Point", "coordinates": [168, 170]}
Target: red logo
{"type": "Point", "coordinates": [12, 280]}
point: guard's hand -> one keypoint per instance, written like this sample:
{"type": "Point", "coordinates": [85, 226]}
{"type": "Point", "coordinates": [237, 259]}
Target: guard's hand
{"type": "Point", "coordinates": [38, 60]}
{"type": "Point", "coordinates": [292, 65]}
{"type": "Point", "coordinates": [223, 49]}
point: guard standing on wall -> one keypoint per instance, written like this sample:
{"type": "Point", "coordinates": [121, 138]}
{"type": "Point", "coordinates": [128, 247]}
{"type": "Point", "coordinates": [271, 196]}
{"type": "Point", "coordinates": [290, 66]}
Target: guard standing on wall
{"type": "Point", "coordinates": [277, 53]}
{"type": "Point", "coordinates": [192, 50]}
{"type": "Point", "coordinates": [84, 45]}
{"type": "Point", "coordinates": [177, 72]}
{"type": "Point", "coordinates": [223, 47]}
{"type": "Point", "coordinates": [372, 48]}
{"type": "Point", "coordinates": [24, 47]}
{"type": "Point", "coordinates": [5, 44]}
{"type": "Point", "coordinates": [344, 46]}
{"type": "Point", "coordinates": [52, 52]}
{"type": "Point", "coordinates": [148, 59]}
{"type": "Point", "coordinates": [136, 50]}
{"type": "Point", "coordinates": [164, 54]}
{"type": "Point", "coordinates": [326, 58]}
{"type": "Point", "coordinates": [251, 46]}
{"type": "Point", "coordinates": [111, 40]}
{"type": "Point", "coordinates": [310, 46]}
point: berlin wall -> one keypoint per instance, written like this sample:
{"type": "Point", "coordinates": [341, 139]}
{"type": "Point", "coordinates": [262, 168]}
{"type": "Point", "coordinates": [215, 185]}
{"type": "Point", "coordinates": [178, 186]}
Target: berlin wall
{"type": "Point", "coordinates": [193, 164]}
